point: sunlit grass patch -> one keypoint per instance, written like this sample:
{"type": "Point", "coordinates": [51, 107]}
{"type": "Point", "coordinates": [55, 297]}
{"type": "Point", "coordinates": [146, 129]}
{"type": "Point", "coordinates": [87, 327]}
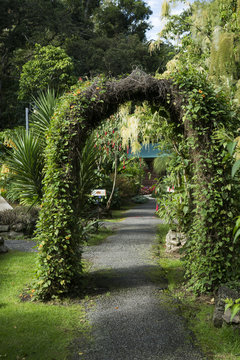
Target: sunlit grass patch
{"type": "Point", "coordinates": [33, 330]}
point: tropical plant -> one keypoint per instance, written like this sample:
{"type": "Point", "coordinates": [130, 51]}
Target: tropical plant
{"type": "Point", "coordinates": [25, 163]}
{"type": "Point", "coordinates": [160, 163]}
{"type": "Point", "coordinates": [43, 110]}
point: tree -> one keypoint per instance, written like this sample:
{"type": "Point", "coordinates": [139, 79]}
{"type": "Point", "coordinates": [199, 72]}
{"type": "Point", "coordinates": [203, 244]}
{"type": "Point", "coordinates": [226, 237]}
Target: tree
{"type": "Point", "coordinates": [128, 17]}
{"type": "Point", "coordinates": [81, 29]}
{"type": "Point", "coordinates": [49, 67]}
{"type": "Point", "coordinates": [209, 34]}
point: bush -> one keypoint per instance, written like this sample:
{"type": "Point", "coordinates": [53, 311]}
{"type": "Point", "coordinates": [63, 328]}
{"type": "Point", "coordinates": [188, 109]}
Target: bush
{"type": "Point", "coordinates": [126, 186]}
{"type": "Point", "coordinates": [139, 199]}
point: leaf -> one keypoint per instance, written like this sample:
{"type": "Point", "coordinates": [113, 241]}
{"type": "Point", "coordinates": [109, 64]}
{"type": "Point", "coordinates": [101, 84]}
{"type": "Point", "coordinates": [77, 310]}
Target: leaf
{"type": "Point", "coordinates": [235, 167]}
{"type": "Point", "coordinates": [231, 146]}
{"type": "Point", "coordinates": [235, 309]}
{"type": "Point", "coordinates": [236, 235]}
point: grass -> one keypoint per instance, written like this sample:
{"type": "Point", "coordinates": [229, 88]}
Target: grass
{"type": "Point", "coordinates": [223, 343]}
{"type": "Point", "coordinates": [118, 214]}
{"type": "Point", "coordinates": [99, 237]}
{"type": "Point", "coordinates": [172, 267]}
{"type": "Point", "coordinates": [31, 330]}
{"type": "Point", "coordinates": [217, 344]}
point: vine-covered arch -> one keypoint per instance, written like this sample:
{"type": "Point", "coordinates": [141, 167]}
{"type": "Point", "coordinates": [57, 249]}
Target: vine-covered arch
{"type": "Point", "coordinates": [78, 113]}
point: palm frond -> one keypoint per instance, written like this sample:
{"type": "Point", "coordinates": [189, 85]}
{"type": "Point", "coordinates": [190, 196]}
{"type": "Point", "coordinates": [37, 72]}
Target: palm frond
{"type": "Point", "coordinates": [160, 163]}
{"type": "Point", "coordinates": [44, 107]}
{"type": "Point", "coordinates": [25, 164]}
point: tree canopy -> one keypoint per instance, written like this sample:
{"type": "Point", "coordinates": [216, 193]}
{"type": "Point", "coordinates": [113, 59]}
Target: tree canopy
{"type": "Point", "coordinates": [99, 37]}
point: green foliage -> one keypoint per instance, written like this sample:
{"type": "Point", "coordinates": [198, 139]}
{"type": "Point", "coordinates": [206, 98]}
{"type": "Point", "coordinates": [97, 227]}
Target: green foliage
{"type": "Point", "coordinates": [43, 110]}
{"type": "Point", "coordinates": [99, 37]}
{"type": "Point", "coordinates": [49, 67]}
{"type": "Point", "coordinates": [25, 159]}
{"type": "Point", "coordinates": [234, 307]}
{"type": "Point", "coordinates": [222, 343]}
{"type": "Point", "coordinates": [208, 262]}
{"type": "Point", "coordinates": [25, 163]}
{"type": "Point", "coordinates": [59, 229]}
{"type": "Point", "coordinates": [126, 186]}
{"type": "Point", "coordinates": [127, 17]}
{"type": "Point", "coordinates": [139, 199]}
{"type": "Point", "coordinates": [160, 163]}
{"type": "Point", "coordinates": [209, 35]}
{"type": "Point", "coordinates": [202, 174]}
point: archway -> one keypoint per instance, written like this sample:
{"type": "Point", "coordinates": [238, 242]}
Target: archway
{"type": "Point", "coordinates": [78, 113]}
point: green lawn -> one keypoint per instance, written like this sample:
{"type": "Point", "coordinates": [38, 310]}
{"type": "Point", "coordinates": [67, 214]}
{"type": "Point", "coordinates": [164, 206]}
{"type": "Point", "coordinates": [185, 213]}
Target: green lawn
{"type": "Point", "coordinates": [31, 330]}
{"type": "Point", "coordinates": [218, 344]}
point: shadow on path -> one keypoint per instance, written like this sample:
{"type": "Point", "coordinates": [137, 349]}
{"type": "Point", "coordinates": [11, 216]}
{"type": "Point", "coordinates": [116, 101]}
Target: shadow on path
{"type": "Point", "coordinates": [130, 320]}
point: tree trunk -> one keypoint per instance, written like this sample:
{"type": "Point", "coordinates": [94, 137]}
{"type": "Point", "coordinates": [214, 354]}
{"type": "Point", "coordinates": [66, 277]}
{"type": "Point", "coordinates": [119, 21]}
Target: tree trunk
{"type": "Point", "coordinates": [114, 184]}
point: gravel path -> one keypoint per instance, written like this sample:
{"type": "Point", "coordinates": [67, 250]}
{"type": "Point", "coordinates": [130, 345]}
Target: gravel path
{"type": "Point", "coordinates": [130, 321]}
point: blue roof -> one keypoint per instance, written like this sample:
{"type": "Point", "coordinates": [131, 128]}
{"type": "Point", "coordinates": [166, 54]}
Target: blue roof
{"type": "Point", "coordinates": [147, 151]}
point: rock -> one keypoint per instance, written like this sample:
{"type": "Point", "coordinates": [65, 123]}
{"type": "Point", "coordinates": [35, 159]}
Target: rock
{"type": "Point", "coordinates": [14, 234]}
{"type": "Point", "coordinates": [4, 228]}
{"type": "Point", "coordinates": [182, 238]}
{"type": "Point", "coordinates": [18, 227]}
{"type": "Point", "coordinates": [227, 318]}
{"type": "Point", "coordinates": [224, 292]}
{"type": "Point", "coordinates": [175, 241]}
{"type": "Point", "coordinates": [4, 205]}
{"type": "Point", "coordinates": [172, 249]}
{"type": "Point", "coordinates": [3, 248]}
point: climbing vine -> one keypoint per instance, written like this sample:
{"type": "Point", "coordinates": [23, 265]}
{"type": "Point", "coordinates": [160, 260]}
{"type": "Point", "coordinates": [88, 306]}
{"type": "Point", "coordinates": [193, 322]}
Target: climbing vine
{"type": "Point", "coordinates": [211, 255]}
{"type": "Point", "coordinates": [196, 111]}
